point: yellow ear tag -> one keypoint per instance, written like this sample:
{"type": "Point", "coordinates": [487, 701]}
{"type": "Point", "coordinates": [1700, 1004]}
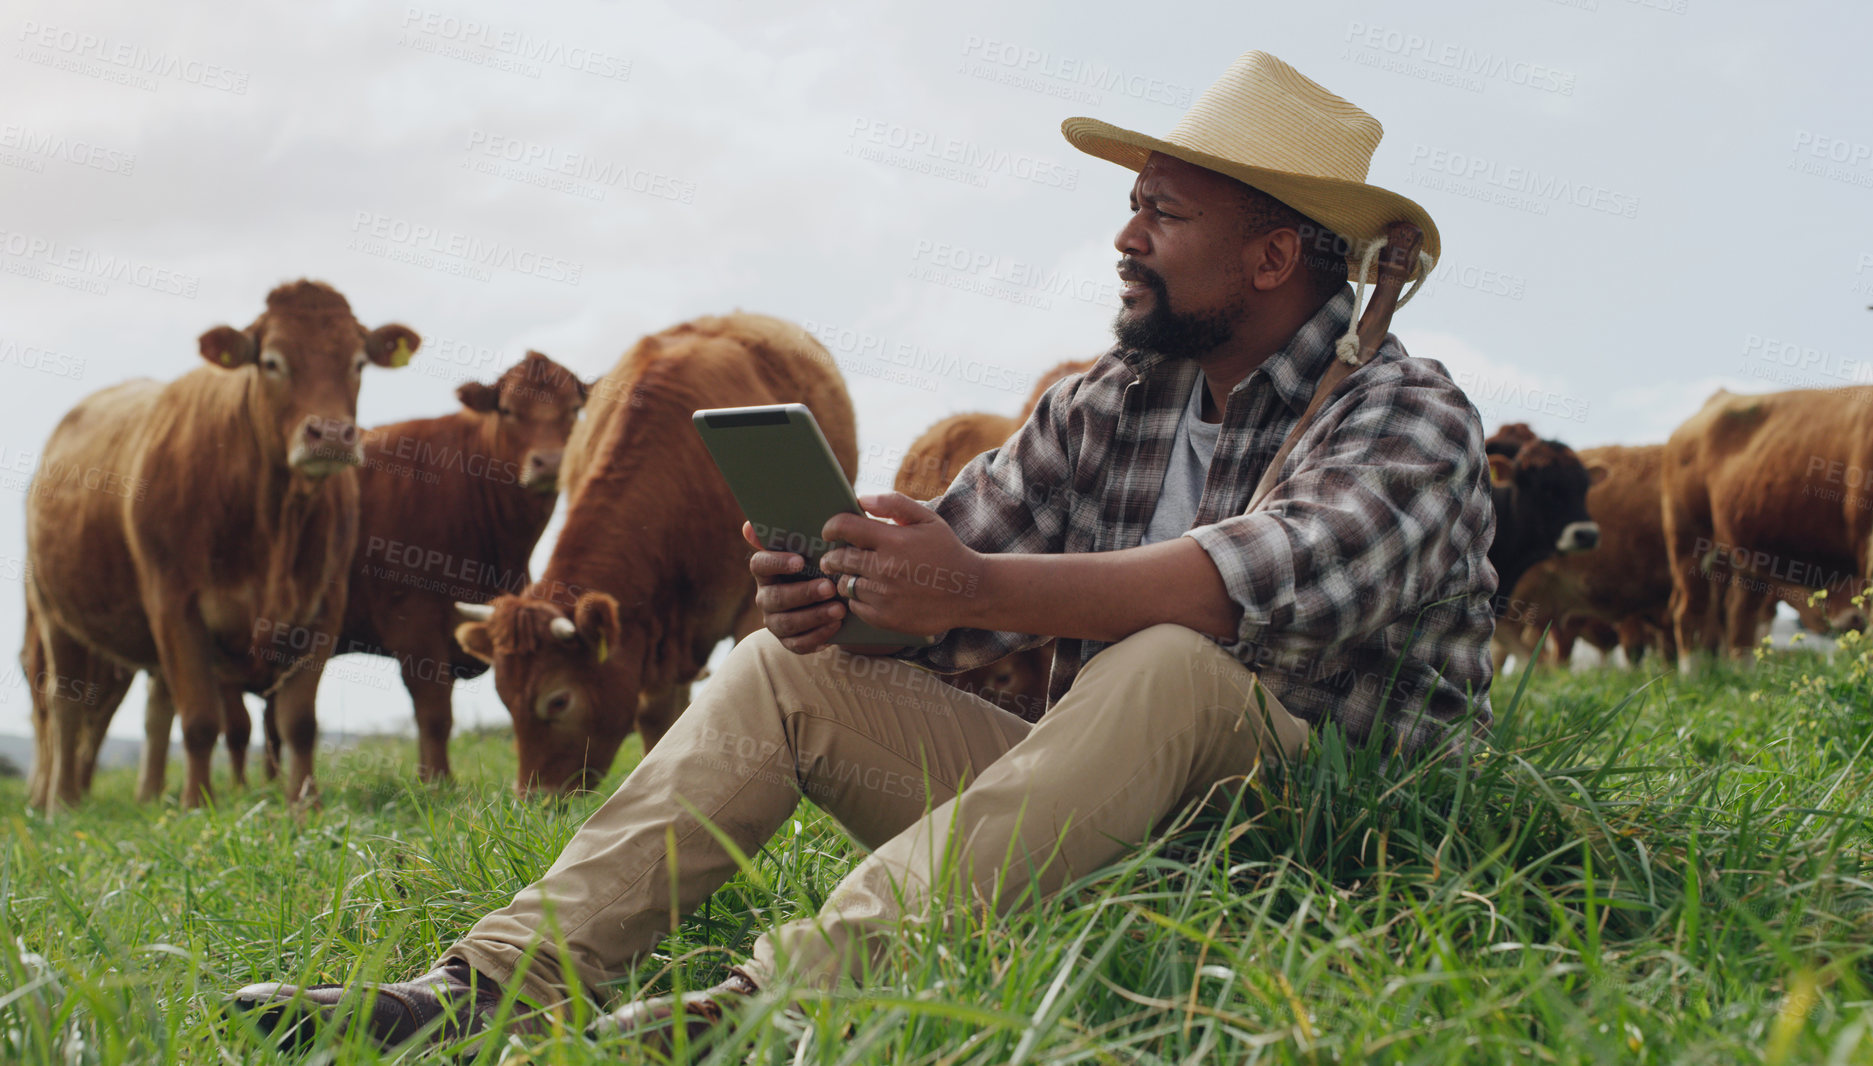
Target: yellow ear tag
{"type": "Point", "coordinates": [226, 359]}
{"type": "Point", "coordinates": [603, 649]}
{"type": "Point", "coordinates": [400, 356]}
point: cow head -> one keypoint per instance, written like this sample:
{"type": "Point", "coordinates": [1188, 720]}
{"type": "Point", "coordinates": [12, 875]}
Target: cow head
{"type": "Point", "coordinates": [567, 679]}
{"type": "Point", "coordinates": [306, 354]}
{"type": "Point", "coordinates": [534, 405]}
{"type": "Point", "coordinates": [1541, 501]}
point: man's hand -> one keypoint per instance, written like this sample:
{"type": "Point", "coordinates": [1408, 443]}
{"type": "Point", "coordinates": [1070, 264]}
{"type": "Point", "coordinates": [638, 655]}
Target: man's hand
{"type": "Point", "coordinates": [915, 576]}
{"type": "Point", "coordinates": [803, 614]}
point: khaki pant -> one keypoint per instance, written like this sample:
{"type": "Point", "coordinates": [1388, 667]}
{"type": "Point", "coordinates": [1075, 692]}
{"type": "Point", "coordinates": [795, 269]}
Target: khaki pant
{"type": "Point", "coordinates": [903, 761]}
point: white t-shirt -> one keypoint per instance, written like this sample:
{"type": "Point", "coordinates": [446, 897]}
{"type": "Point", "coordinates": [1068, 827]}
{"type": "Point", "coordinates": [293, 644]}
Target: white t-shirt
{"type": "Point", "coordinates": [1184, 476]}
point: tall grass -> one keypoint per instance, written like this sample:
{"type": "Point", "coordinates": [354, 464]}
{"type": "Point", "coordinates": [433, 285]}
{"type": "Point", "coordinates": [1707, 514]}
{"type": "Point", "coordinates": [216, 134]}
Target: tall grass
{"type": "Point", "coordinates": [1640, 869]}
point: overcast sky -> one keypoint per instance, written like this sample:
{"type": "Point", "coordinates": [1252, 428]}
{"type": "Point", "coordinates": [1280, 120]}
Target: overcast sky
{"type": "Point", "coordinates": [1640, 200]}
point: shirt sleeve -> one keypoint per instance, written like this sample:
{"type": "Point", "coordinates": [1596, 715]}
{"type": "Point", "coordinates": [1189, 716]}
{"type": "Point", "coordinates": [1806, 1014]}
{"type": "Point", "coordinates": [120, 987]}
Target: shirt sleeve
{"type": "Point", "coordinates": [1015, 498]}
{"type": "Point", "coordinates": [1374, 515]}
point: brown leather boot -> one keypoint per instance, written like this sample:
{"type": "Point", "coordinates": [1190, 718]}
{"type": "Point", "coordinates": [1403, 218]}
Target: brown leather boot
{"type": "Point", "coordinates": [463, 1001]}
{"type": "Point", "coordinates": [651, 1022]}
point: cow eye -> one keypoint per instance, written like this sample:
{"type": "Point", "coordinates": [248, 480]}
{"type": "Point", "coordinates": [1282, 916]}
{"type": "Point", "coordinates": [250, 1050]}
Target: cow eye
{"type": "Point", "coordinates": [357, 363]}
{"type": "Point", "coordinates": [272, 362]}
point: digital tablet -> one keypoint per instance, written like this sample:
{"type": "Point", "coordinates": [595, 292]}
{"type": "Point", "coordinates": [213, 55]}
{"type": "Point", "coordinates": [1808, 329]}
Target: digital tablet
{"type": "Point", "coordinates": [783, 474]}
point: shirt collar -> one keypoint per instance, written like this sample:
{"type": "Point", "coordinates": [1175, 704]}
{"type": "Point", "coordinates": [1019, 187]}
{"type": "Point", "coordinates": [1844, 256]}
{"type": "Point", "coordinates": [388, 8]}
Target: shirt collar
{"type": "Point", "coordinates": [1296, 368]}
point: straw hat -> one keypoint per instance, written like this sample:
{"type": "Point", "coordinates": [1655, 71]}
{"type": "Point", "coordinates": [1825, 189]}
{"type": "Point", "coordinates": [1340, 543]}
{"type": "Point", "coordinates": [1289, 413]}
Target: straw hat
{"type": "Point", "coordinates": [1268, 125]}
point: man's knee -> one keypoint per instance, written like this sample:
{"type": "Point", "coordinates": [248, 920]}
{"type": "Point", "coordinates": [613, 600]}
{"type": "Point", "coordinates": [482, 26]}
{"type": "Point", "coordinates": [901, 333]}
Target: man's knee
{"type": "Point", "coordinates": [1167, 649]}
{"type": "Point", "coordinates": [1182, 671]}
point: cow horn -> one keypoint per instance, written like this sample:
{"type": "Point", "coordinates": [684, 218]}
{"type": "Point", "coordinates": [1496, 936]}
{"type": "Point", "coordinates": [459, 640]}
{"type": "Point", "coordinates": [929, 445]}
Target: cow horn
{"type": "Point", "coordinates": [563, 628]}
{"type": "Point", "coordinates": [475, 612]}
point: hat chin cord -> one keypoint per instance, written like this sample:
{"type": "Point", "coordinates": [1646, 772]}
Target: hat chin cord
{"type": "Point", "coordinates": [1347, 347]}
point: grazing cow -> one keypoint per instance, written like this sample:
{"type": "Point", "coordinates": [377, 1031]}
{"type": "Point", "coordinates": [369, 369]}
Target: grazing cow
{"type": "Point", "coordinates": [199, 530]}
{"type": "Point", "coordinates": [1765, 492]}
{"type": "Point", "coordinates": [1625, 577]}
{"type": "Point", "coordinates": [1540, 492]}
{"type": "Point", "coordinates": [450, 509]}
{"type": "Point", "coordinates": [650, 571]}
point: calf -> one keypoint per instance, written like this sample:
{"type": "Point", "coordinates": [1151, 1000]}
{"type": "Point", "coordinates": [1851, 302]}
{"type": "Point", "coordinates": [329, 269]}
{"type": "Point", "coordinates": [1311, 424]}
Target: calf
{"type": "Point", "coordinates": [1540, 491]}
{"type": "Point", "coordinates": [1625, 576]}
{"type": "Point", "coordinates": [200, 530]}
{"type": "Point", "coordinates": [650, 571]}
{"type": "Point", "coordinates": [450, 511]}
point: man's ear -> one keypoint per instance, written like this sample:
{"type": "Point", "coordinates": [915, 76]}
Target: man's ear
{"type": "Point", "coordinates": [478, 397]}
{"type": "Point", "coordinates": [1273, 258]}
{"type": "Point", "coordinates": [225, 346]}
{"type": "Point", "coordinates": [391, 345]}
{"type": "Point", "coordinates": [1501, 471]}
{"type": "Point", "coordinates": [474, 639]}
{"type": "Point", "coordinates": [1596, 473]}
{"type": "Point", "coordinates": [596, 616]}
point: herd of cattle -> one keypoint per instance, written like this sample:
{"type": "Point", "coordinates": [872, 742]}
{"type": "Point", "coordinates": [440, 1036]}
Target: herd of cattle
{"type": "Point", "coordinates": [229, 532]}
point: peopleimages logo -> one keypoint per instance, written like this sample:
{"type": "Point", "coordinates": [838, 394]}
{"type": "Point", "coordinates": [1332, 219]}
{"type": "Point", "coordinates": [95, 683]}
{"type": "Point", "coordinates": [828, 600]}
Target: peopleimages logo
{"type": "Point", "coordinates": [957, 158]}
{"type": "Point", "coordinates": [522, 48]}
{"type": "Point", "coordinates": [1026, 67]}
{"type": "Point", "coordinates": [1457, 59]}
{"type": "Point", "coordinates": [132, 61]}
{"type": "Point", "coordinates": [1520, 185]}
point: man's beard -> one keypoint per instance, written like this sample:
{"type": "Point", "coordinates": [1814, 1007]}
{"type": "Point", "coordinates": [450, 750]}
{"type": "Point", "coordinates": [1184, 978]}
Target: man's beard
{"type": "Point", "coordinates": [1190, 335]}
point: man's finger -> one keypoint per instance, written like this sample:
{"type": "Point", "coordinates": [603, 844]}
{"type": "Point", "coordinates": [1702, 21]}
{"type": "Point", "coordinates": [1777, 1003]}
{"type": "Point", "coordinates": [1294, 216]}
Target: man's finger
{"type": "Point", "coordinates": [792, 595]}
{"type": "Point", "coordinates": [747, 534]}
{"type": "Point", "coordinates": [807, 643]}
{"type": "Point", "coordinates": [763, 564]}
{"type": "Point", "coordinates": [897, 507]}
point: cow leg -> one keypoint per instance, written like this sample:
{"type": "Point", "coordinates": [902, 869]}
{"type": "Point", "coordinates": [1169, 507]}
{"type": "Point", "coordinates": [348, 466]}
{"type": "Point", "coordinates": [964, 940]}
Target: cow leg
{"type": "Point", "coordinates": [239, 727]}
{"type": "Point", "coordinates": [434, 700]}
{"type": "Point", "coordinates": [79, 688]}
{"type": "Point", "coordinates": [159, 717]}
{"type": "Point", "coordinates": [183, 645]}
{"type": "Point", "coordinates": [296, 717]}
{"type": "Point", "coordinates": [1744, 604]}
{"type": "Point", "coordinates": [1633, 636]}
{"type": "Point", "coordinates": [270, 730]}
{"type": "Point", "coordinates": [1561, 641]}
{"type": "Point", "coordinates": [657, 712]}
{"type": "Point", "coordinates": [33, 663]}
{"type": "Point", "coordinates": [101, 703]}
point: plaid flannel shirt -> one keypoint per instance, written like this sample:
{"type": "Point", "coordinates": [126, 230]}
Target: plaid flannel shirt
{"type": "Point", "coordinates": [1363, 578]}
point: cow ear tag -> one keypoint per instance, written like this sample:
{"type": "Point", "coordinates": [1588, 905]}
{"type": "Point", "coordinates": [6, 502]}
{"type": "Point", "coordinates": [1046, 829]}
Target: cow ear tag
{"type": "Point", "coordinates": [603, 649]}
{"type": "Point", "coordinates": [400, 356]}
{"type": "Point", "coordinates": [227, 359]}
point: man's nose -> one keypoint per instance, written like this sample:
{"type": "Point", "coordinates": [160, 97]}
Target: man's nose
{"type": "Point", "coordinates": [1131, 238]}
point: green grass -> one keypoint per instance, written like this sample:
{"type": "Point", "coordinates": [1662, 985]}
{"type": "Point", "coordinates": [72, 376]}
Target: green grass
{"type": "Point", "coordinates": [1644, 869]}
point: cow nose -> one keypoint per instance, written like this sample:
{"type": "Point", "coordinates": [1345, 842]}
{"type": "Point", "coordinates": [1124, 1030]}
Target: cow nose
{"type": "Point", "coordinates": [338, 431]}
{"type": "Point", "coordinates": [1578, 537]}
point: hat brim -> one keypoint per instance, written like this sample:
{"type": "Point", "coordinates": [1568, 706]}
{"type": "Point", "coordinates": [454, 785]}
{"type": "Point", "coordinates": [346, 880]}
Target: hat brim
{"type": "Point", "coordinates": [1352, 209]}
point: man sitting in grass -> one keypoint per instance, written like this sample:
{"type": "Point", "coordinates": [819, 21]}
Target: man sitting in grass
{"type": "Point", "coordinates": [1202, 633]}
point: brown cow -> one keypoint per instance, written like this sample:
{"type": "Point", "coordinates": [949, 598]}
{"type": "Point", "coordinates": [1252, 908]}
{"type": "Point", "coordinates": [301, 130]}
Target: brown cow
{"type": "Point", "coordinates": [1625, 576]}
{"type": "Point", "coordinates": [650, 571]}
{"type": "Point", "coordinates": [450, 509]}
{"type": "Point", "coordinates": [199, 530]}
{"type": "Point", "coordinates": [1763, 492]}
